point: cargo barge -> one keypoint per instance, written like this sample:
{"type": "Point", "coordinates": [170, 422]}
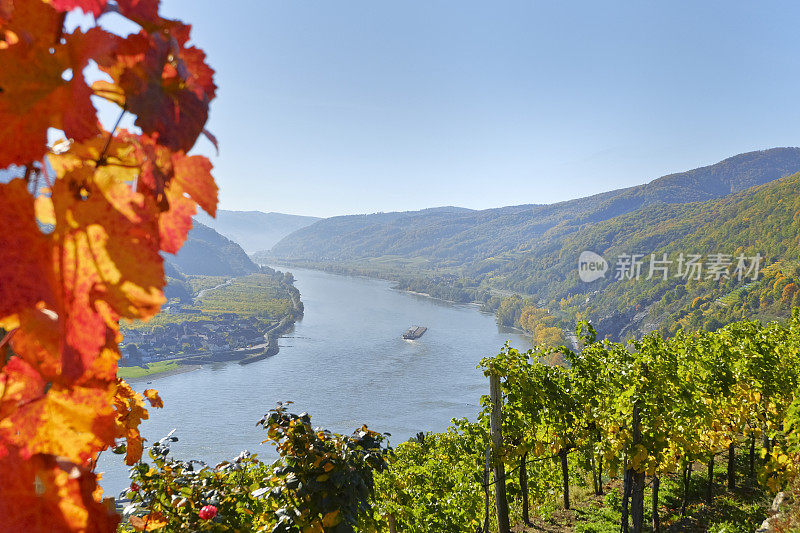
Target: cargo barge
{"type": "Point", "coordinates": [414, 332]}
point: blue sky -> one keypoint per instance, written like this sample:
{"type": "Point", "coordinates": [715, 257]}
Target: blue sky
{"type": "Point", "coordinates": [328, 108]}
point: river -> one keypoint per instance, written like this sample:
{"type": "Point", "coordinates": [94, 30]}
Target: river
{"type": "Point", "coordinates": [344, 363]}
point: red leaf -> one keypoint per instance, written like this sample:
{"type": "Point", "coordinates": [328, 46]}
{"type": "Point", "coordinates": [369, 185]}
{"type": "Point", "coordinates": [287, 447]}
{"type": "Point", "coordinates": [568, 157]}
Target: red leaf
{"type": "Point", "coordinates": [153, 397]}
{"type": "Point", "coordinates": [24, 252]}
{"type": "Point", "coordinates": [143, 12]}
{"type": "Point", "coordinates": [167, 85]}
{"type": "Point", "coordinates": [130, 411]}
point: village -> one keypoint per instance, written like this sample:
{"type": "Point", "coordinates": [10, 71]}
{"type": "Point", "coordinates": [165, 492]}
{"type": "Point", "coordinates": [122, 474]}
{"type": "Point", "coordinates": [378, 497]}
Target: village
{"type": "Point", "coordinates": [214, 336]}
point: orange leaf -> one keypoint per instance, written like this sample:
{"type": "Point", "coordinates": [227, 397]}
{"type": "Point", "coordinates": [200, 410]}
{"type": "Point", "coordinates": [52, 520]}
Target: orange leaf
{"type": "Point", "coordinates": [74, 422]}
{"type": "Point", "coordinates": [43, 494]}
{"type": "Point", "coordinates": [194, 175]}
{"type": "Point", "coordinates": [109, 242]}
{"type": "Point", "coordinates": [130, 412]}
{"type": "Point", "coordinates": [331, 519]}
{"type": "Point", "coordinates": [150, 522]}
{"type": "Point", "coordinates": [174, 224]}
{"type": "Point", "coordinates": [153, 397]}
{"type": "Point", "coordinates": [19, 384]}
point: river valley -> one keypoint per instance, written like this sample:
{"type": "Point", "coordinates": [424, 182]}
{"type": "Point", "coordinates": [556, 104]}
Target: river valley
{"type": "Point", "coordinates": [344, 363]}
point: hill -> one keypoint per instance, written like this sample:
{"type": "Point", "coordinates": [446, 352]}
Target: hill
{"type": "Point", "coordinates": [457, 237]}
{"type": "Point", "coordinates": [520, 257]}
{"type": "Point", "coordinates": [208, 253]}
{"type": "Point", "coordinates": [178, 286]}
{"type": "Point", "coordinates": [762, 221]}
{"type": "Point", "coordinates": [253, 230]}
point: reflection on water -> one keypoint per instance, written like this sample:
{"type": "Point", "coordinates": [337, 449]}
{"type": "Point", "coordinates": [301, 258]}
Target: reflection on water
{"type": "Point", "coordinates": [344, 363]}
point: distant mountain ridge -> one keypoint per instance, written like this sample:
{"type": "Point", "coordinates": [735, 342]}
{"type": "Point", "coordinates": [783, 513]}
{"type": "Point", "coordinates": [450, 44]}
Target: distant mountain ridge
{"type": "Point", "coordinates": [208, 253]}
{"type": "Point", "coordinates": [749, 203]}
{"type": "Point", "coordinates": [447, 237]}
{"type": "Point", "coordinates": [254, 230]}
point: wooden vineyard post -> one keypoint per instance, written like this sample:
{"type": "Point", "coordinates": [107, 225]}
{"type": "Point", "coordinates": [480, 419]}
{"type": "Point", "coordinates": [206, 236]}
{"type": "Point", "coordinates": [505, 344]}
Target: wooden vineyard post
{"type": "Point", "coordinates": [496, 421]}
{"type": "Point", "coordinates": [487, 468]}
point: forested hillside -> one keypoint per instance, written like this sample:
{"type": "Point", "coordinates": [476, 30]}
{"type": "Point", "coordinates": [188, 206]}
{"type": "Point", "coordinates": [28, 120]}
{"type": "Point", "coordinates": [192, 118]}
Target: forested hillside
{"type": "Point", "coordinates": [525, 257]}
{"type": "Point", "coordinates": [253, 230]}
{"type": "Point", "coordinates": [208, 253]}
{"type": "Point", "coordinates": [762, 221]}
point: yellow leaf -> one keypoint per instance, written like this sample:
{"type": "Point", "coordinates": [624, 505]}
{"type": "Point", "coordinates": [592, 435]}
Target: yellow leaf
{"type": "Point", "coordinates": [149, 522]}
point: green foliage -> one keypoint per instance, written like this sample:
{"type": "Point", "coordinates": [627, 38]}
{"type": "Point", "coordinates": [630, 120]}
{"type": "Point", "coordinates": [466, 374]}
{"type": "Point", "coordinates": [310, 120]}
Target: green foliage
{"type": "Point", "coordinates": [322, 482]}
{"type": "Point", "coordinates": [168, 495]}
{"type": "Point", "coordinates": [435, 483]}
{"type": "Point", "coordinates": [694, 395]}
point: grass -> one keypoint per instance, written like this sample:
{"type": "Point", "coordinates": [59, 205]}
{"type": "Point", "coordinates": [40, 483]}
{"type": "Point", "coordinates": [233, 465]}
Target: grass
{"type": "Point", "coordinates": [733, 511]}
{"type": "Point", "coordinates": [130, 372]}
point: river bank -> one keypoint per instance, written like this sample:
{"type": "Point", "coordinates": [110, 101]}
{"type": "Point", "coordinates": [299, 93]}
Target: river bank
{"type": "Point", "coordinates": [158, 374]}
{"type": "Point", "coordinates": [203, 334]}
{"type": "Point", "coordinates": [344, 363]}
{"type": "Point", "coordinates": [170, 367]}
{"type": "Point", "coordinates": [355, 272]}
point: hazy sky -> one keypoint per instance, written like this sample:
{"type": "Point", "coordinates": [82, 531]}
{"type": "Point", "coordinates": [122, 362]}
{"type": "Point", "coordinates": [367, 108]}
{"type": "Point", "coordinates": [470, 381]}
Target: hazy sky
{"type": "Point", "coordinates": [335, 107]}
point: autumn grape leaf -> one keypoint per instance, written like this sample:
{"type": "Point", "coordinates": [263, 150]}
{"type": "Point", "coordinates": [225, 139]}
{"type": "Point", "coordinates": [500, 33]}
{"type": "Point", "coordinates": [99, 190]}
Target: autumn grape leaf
{"type": "Point", "coordinates": [153, 397]}
{"type": "Point", "coordinates": [130, 411]}
{"type": "Point", "coordinates": [47, 493]}
{"type": "Point", "coordinates": [84, 251]}
{"type": "Point", "coordinates": [90, 7]}
{"type": "Point", "coordinates": [167, 85]}
{"type": "Point", "coordinates": [19, 384]}
{"type": "Point", "coordinates": [42, 90]}
{"type": "Point", "coordinates": [194, 175]}
{"type": "Point", "coordinates": [25, 279]}
{"type": "Point", "coordinates": [73, 422]}
{"type": "Point", "coordinates": [109, 242]}
{"type": "Point", "coordinates": [33, 23]}
{"type": "Point", "coordinates": [161, 166]}
{"type": "Point", "coordinates": [150, 522]}
{"type": "Point", "coordinates": [143, 12]}
{"type": "Point", "coordinates": [174, 225]}
{"type": "Point", "coordinates": [36, 341]}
